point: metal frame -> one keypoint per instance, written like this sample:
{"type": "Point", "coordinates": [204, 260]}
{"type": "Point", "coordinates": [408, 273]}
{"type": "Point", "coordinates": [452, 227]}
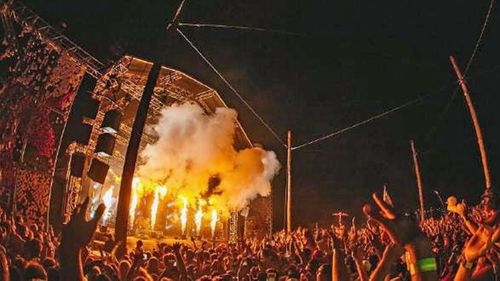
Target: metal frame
{"type": "Point", "coordinates": [15, 10]}
{"type": "Point", "coordinates": [23, 14]}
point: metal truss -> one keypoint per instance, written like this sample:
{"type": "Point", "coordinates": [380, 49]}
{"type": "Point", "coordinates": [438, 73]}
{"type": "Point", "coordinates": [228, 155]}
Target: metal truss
{"type": "Point", "coordinates": [166, 87]}
{"type": "Point", "coordinates": [24, 15]}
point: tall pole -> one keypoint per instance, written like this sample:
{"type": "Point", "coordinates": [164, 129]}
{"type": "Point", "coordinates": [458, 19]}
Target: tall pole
{"type": "Point", "coordinates": [419, 180]}
{"type": "Point", "coordinates": [475, 121]}
{"type": "Point", "coordinates": [289, 183]}
{"type": "Point", "coordinates": [122, 214]}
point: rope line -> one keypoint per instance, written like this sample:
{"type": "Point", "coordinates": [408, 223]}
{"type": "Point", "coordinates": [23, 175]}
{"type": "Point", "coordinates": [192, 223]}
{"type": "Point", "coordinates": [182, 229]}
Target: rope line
{"type": "Point", "coordinates": [447, 106]}
{"type": "Point", "coordinates": [178, 11]}
{"type": "Point", "coordinates": [466, 70]}
{"type": "Point", "coordinates": [480, 38]}
{"type": "Point", "coordinates": [248, 28]}
{"type": "Point", "coordinates": [375, 117]}
{"type": "Point", "coordinates": [231, 87]}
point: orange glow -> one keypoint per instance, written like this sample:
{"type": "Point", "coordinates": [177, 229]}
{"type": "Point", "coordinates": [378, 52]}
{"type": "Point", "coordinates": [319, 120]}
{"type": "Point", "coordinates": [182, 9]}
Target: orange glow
{"type": "Point", "coordinates": [159, 194]}
{"type": "Point", "coordinates": [136, 185]}
{"type": "Point", "coordinates": [213, 222]}
{"type": "Point", "coordinates": [197, 220]}
{"type": "Point", "coordinates": [107, 199]}
{"type": "Point", "coordinates": [184, 214]}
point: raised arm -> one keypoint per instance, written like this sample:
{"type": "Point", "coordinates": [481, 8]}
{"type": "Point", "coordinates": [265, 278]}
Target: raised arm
{"type": "Point", "coordinates": [180, 261]}
{"type": "Point", "coordinates": [339, 268]}
{"type": "Point", "coordinates": [357, 257]}
{"type": "Point", "coordinates": [404, 231]}
{"type": "Point", "coordinates": [391, 254]}
{"type": "Point", "coordinates": [4, 266]}
{"type": "Point", "coordinates": [75, 236]}
{"type": "Point", "coordinates": [477, 246]}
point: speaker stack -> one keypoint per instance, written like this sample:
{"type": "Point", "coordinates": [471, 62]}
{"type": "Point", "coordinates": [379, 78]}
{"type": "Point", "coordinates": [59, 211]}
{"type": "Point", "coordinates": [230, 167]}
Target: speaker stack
{"type": "Point", "coordinates": [105, 145]}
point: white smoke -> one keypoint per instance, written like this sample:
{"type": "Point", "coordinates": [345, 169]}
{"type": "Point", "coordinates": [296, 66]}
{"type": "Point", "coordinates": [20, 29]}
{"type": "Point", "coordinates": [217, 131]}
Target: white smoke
{"type": "Point", "coordinates": [193, 146]}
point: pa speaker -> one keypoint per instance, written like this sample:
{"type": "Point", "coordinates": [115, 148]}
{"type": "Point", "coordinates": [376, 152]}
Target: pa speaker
{"type": "Point", "coordinates": [112, 120]}
{"type": "Point", "coordinates": [83, 134]}
{"type": "Point", "coordinates": [77, 164]}
{"type": "Point", "coordinates": [91, 108]}
{"type": "Point", "coordinates": [105, 144]}
{"type": "Point", "coordinates": [98, 171]}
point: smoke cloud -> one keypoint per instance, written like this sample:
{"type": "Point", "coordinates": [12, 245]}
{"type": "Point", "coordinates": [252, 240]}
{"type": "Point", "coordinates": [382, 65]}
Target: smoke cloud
{"type": "Point", "coordinates": [195, 157]}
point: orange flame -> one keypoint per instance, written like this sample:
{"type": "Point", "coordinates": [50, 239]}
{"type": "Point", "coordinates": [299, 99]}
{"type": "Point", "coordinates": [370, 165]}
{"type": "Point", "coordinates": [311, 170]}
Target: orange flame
{"type": "Point", "coordinates": [197, 220]}
{"type": "Point", "coordinates": [213, 222]}
{"type": "Point", "coordinates": [184, 214]}
{"type": "Point", "coordinates": [136, 183]}
{"type": "Point", "coordinates": [107, 200]}
{"type": "Point", "coordinates": [159, 194]}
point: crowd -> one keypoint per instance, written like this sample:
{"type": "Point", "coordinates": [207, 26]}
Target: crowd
{"type": "Point", "coordinates": [38, 84]}
{"type": "Point", "coordinates": [459, 245]}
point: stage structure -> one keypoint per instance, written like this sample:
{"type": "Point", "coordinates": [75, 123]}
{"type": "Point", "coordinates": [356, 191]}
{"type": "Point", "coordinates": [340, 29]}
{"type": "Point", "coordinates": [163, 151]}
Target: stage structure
{"type": "Point", "coordinates": [88, 162]}
{"type": "Point", "coordinates": [39, 82]}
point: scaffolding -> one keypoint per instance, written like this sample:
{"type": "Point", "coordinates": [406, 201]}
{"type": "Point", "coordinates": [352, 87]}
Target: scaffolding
{"type": "Point", "coordinates": [166, 88]}
{"type": "Point", "coordinates": [22, 14]}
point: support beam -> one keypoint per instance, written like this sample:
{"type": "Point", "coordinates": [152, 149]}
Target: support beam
{"type": "Point", "coordinates": [122, 215]}
{"type": "Point", "coordinates": [289, 183]}
{"type": "Point", "coordinates": [419, 180]}
{"type": "Point", "coordinates": [475, 121]}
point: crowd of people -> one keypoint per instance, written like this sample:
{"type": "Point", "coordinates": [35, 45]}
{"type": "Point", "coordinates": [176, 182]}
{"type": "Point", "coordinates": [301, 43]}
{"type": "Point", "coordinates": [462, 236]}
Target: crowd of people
{"type": "Point", "coordinates": [461, 244]}
{"type": "Point", "coordinates": [38, 84]}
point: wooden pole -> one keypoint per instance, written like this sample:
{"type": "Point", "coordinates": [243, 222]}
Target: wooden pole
{"type": "Point", "coordinates": [122, 213]}
{"type": "Point", "coordinates": [289, 183]}
{"type": "Point", "coordinates": [419, 180]}
{"type": "Point", "coordinates": [475, 121]}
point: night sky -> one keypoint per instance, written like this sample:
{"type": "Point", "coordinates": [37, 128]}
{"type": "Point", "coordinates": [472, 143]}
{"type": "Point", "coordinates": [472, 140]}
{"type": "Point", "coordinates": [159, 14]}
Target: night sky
{"type": "Point", "coordinates": [356, 59]}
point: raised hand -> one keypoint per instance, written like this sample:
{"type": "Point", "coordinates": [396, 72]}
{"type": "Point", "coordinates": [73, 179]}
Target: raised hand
{"type": "Point", "coordinates": [75, 236]}
{"type": "Point", "coordinates": [452, 206]}
{"type": "Point", "coordinates": [78, 232]}
{"type": "Point", "coordinates": [461, 209]}
{"type": "Point", "coordinates": [4, 265]}
{"type": "Point", "coordinates": [176, 247]}
{"type": "Point", "coordinates": [401, 229]}
{"type": "Point", "coordinates": [478, 244]}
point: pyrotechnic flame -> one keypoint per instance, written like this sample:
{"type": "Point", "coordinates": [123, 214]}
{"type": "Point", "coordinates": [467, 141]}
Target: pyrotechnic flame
{"type": "Point", "coordinates": [193, 147]}
{"type": "Point", "coordinates": [213, 222]}
{"type": "Point", "coordinates": [184, 213]}
{"type": "Point", "coordinates": [159, 194]}
{"type": "Point", "coordinates": [135, 199]}
{"type": "Point", "coordinates": [197, 219]}
{"type": "Point", "coordinates": [107, 199]}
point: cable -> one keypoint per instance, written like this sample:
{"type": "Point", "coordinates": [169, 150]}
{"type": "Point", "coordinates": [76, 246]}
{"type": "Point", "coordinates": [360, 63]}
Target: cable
{"type": "Point", "coordinates": [176, 15]}
{"type": "Point", "coordinates": [466, 70]}
{"type": "Point", "coordinates": [480, 38]}
{"type": "Point", "coordinates": [249, 28]}
{"type": "Point", "coordinates": [178, 11]}
{"type": "Point", "coordinates": [335, 133]}
{"type": "Point", "coordinates": [231, 87]}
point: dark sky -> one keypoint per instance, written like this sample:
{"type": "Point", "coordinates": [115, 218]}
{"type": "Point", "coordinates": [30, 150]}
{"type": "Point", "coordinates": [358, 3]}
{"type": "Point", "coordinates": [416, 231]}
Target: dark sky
{"type": "Point", "coordinates": [357, 59]}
